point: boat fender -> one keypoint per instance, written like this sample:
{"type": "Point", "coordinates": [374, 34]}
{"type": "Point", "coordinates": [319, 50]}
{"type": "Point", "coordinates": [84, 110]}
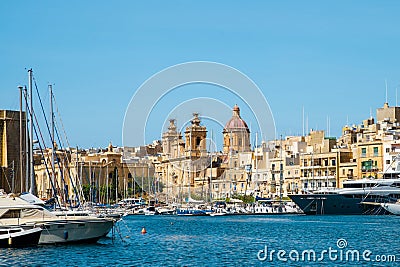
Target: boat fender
{"type": "Point", "coordinates": [65, 235]}
{"type": "Point", "coordinates": [143, 231]}
{"type": "Point", "coordinates": [10, 241]}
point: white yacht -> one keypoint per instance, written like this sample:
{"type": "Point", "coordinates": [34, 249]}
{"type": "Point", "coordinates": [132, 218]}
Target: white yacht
{"type": "Point", "coordinates": [393, 208]}
{"type": "Point", "coordinates": [268, 207]}
{"type": "Point", "coordinates": [68, 229]}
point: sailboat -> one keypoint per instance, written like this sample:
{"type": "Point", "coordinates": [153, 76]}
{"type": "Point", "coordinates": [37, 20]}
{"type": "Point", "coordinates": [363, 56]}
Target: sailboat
{"type": "Point", "coordinates": [17, 211]}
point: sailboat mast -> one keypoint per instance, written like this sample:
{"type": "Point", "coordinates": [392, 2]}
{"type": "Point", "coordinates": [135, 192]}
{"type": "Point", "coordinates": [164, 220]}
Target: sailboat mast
{"type": "Point", "coordinates": [26, 142]}
{"type": "Point", "coordinates": [256, 161]}
{"type": "Point", "coordinates": [281, 174]}
{"type": "Point", "coordinates": [21, 155]}
{"type": "Point", "coordinates": [148, 178]}
{"type": "Point", "coordinates": [52, 136]}
{"type": "Point", "coordinates": [190, 162]}
{"type": "Point", "coordinates": [116, 185]}
{"type": "Point", "coordinates": [107, 198]}
{"type": "Point", "coordinates": [32, 173]}
{"type": "Point", "coordinates": [211, 164]}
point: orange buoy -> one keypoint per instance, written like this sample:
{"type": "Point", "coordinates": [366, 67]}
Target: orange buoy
{"type": "Point", "coordinates": [144, 231]}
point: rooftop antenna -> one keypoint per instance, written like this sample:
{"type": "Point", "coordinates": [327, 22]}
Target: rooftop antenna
{"type": "Point", "coordinates": [386, 92]}
{"type": "Point", "coordinates": [328, 126]}
{"type": "Point", "coordinates": [307, 125]}
{"type": "Point", "coordinates": [303, 120]}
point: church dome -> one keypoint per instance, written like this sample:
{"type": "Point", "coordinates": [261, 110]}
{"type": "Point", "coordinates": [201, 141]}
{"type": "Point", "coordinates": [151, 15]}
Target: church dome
{"type": "Point", "coordinates": [236, 122]}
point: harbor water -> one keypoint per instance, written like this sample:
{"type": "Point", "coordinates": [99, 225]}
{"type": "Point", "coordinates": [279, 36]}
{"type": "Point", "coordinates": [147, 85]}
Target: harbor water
{"type": "Point", "coordinates": [229, 241]}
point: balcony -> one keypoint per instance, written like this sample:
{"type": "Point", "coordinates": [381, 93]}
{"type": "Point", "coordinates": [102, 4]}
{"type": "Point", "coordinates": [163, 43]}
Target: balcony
{"type": "Point", "coordinates": [372, 169]}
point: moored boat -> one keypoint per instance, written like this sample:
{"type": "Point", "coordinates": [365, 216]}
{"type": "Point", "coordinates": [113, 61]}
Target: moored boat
{"type": "Point", "coordinates": [354, 198]}
{"type": "Point", "coordinates": [80, 229]}
{"type": "Point", "coordinates": [272, 207]}
{"type": "Point", "coordinates": [16, 236]}
{"type": "Point", "coordinates": [393, 208]}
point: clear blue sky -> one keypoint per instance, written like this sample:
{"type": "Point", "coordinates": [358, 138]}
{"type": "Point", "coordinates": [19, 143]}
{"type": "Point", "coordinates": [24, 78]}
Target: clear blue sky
{"type": "Point", "coordinates": [332, 57]}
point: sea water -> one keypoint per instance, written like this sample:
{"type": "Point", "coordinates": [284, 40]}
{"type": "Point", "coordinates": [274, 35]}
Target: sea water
{"type": "Point", "coordinates": [289, 240]}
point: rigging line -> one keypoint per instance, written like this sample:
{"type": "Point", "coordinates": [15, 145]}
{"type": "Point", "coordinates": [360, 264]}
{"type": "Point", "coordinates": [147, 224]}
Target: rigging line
{"type": "Point", "coordinates": [5, 174]}
{"type": "Point", "coordinates": [68, 163]}
{"type": "Point", "coordinates": [391, 163]}
{"type": "Point", "coordinates": [41, 105]}
{"type": "Point", "coordinates": [367, 195]}
{"type": "Point", "coordinates": [47, 124]}
{"type": "Point", "coordinates": [56, 186]}
{"type": "Point", "coordinates": [61, 121]}
{"type": "Point", "coordinates": [62, 146]}
{"type": "Point", "coordinates": [79, 182]}
{"type": "Point", "coordinates": [60, 141]}
{"type": "Point", "coordinates": [40, 146]}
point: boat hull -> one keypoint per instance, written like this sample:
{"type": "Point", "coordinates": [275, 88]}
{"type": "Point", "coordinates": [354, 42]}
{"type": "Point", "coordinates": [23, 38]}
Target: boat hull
{"type": "Point", "coordinates": [24, 238]}
{"type": "Point", "coordinates": [337, 204]}
{"type": "Point", "coordinates": [393, 208]}
{"type": "Point", "coordinates": [79, 231]}
{"type": "Point", "coordinates": [192, 212]}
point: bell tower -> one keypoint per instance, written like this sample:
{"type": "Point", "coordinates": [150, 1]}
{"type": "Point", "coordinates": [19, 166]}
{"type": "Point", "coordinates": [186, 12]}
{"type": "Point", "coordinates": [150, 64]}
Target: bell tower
{"type": "Point", "coordinates": [195, 138]}
{"type": "Point", "coordinates": [171, 140]}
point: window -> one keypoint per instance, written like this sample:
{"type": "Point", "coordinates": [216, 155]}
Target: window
{"type": "Point", "coordinates": [387, 161]}
{"type": "Point", "coordinates": [376, 151]}
{"type": "Point", "coordinates": [363, 152]}
{"type": "Point", "coordinates": [198, 139]}
{"type": "Point", "coordinates": [387, 150]}
{"type": "Point", "coordinates": [344, 171]}
{"type": "Point", "coordinates": [11, 214]}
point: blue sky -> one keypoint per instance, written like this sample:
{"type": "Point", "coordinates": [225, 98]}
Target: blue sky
{"type": "Point", "coordinates": [332, 57]}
